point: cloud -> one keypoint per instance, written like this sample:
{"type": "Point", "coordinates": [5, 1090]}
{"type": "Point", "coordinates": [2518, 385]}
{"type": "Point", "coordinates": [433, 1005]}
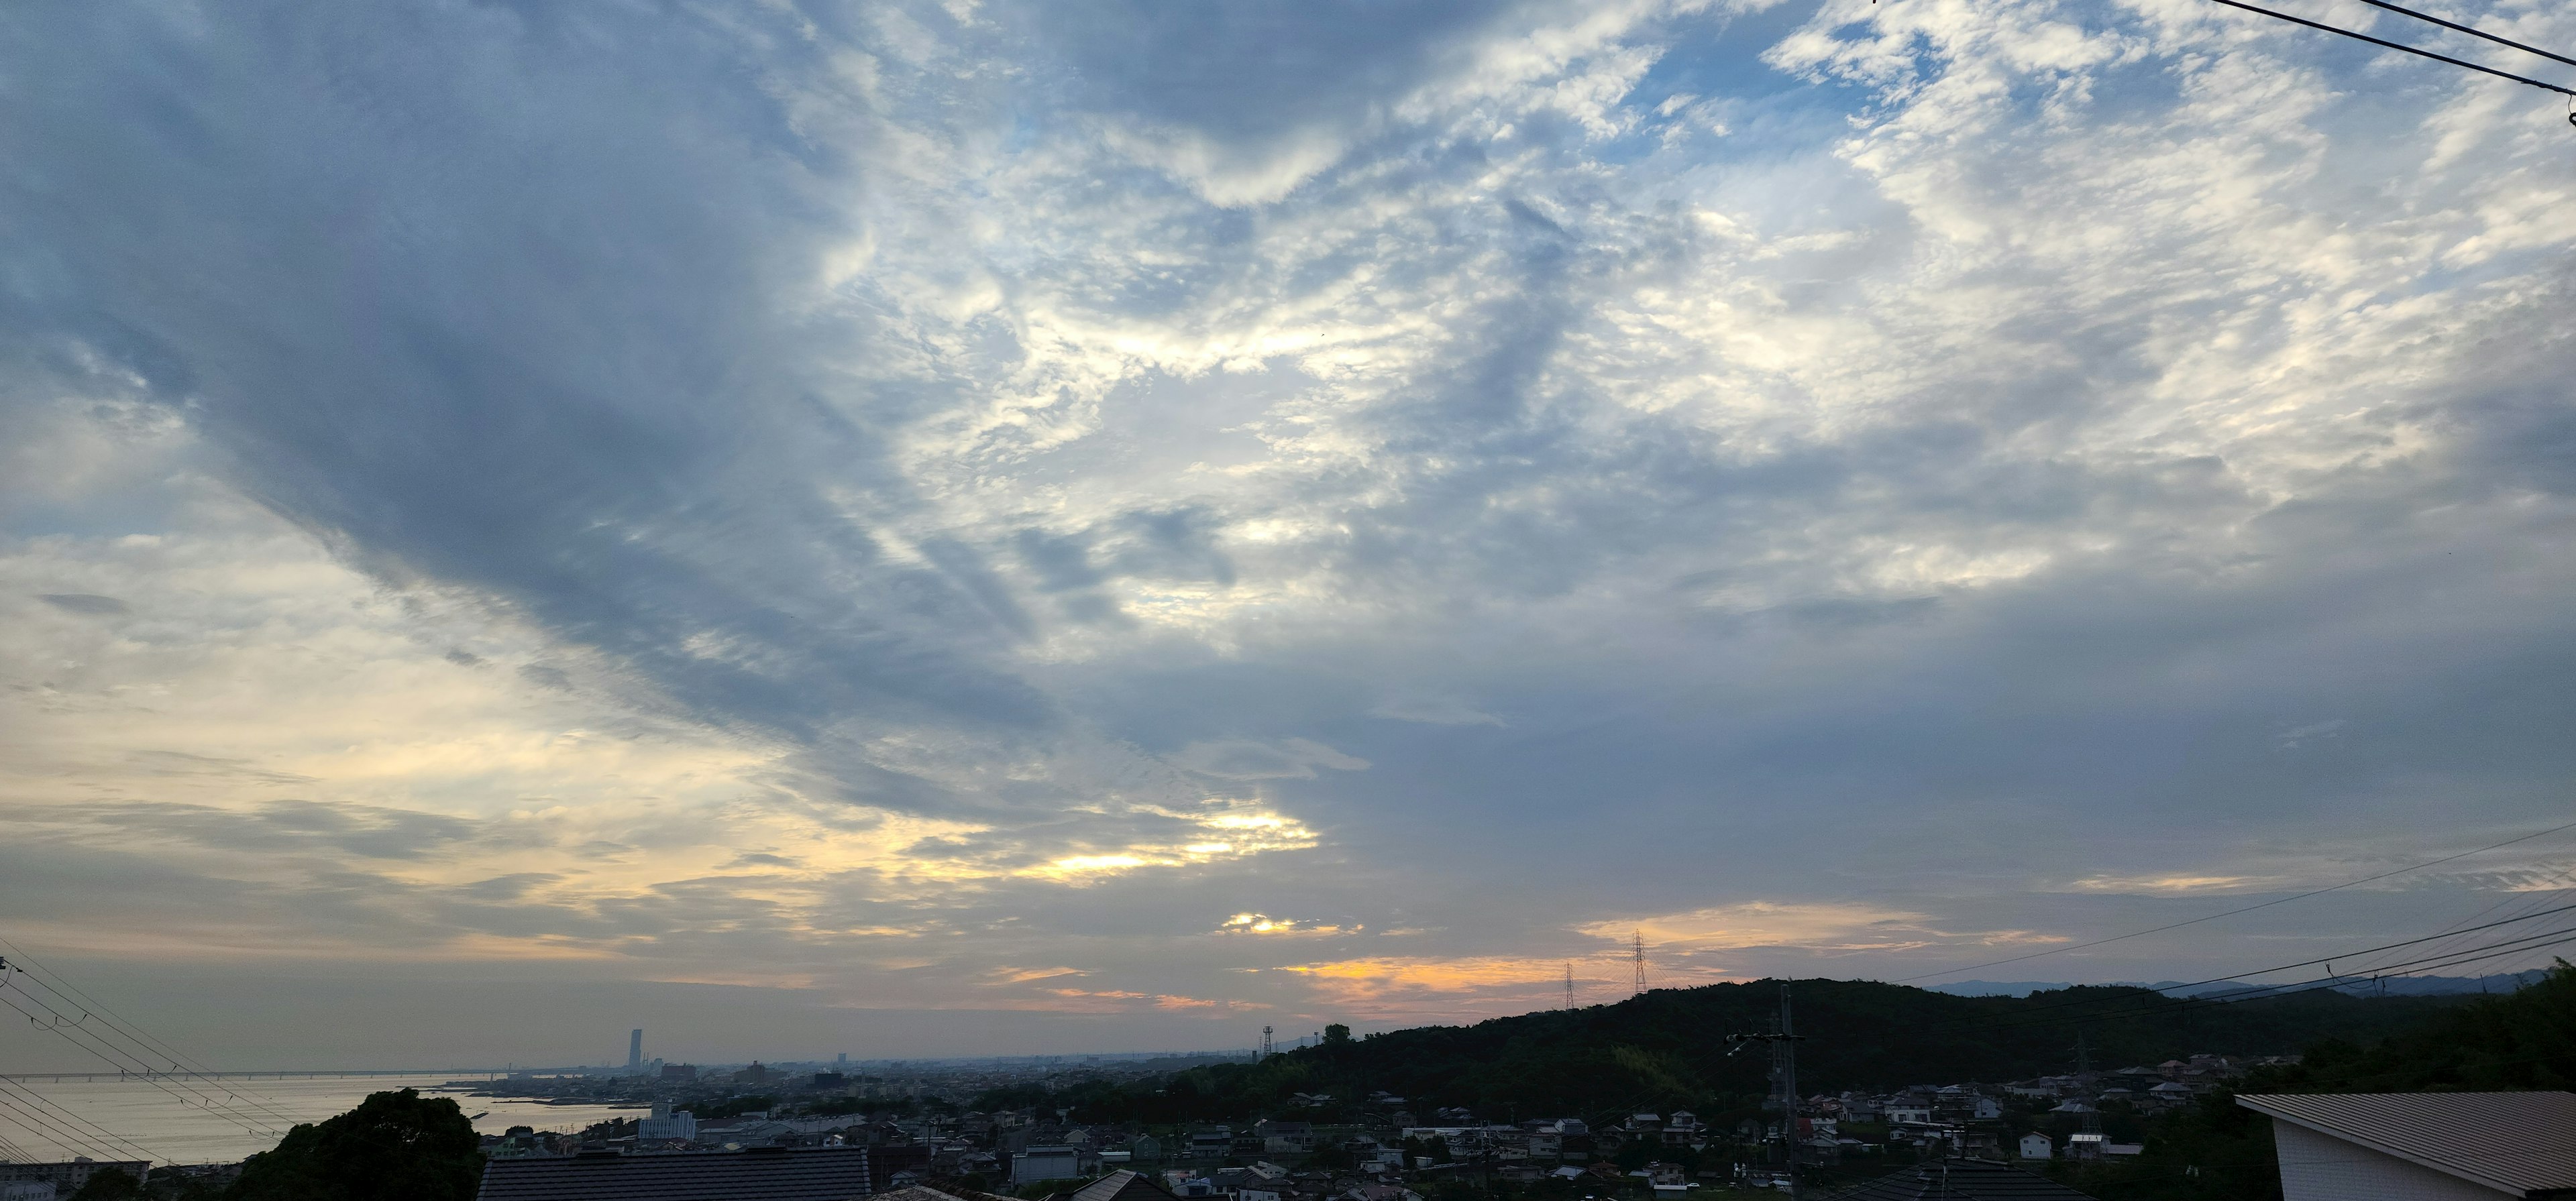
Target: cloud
{"type": "Point", "coordinates": [1757, 924]}
{"type": "Point", "coordinates": [82, 602]}
{"type": "Point", "coordinates": [1240, 759]}
{"type": "Point", "coordinates": [1436, 711]}
{"type": "Point", "coordinates": [881, 494]}
{"type": "Point", "coordinates": [1265, 925]}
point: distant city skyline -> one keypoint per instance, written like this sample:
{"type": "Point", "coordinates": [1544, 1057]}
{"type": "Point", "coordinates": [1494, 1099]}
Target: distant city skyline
{"type": "Point", "coordinates": [901, 528]}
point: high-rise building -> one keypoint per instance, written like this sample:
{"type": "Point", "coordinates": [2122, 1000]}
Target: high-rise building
{"type": "Point", "coordinates": [635, 1050]}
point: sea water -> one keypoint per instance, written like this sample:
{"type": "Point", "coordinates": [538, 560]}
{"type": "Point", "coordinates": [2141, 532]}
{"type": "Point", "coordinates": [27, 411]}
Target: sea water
{"type": "Point", "coordinates": [176, 1129]}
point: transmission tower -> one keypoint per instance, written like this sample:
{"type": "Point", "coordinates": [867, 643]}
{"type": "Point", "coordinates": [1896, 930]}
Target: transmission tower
{"type": "Point", "coordinates": [1784, 1081]}
{"type": "Point", "coordinates": [1569, 986]}
{"type": "Point", "coordinates": [2092, 1133]}
{"type": "Point", "coordinates": [1637, 954]}
{"type": "Point", "coordinates": [1266, 1051]}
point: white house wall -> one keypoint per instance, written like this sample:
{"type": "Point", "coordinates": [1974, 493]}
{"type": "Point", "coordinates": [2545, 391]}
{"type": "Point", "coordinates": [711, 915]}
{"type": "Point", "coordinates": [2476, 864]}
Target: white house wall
{"type": "Point", "coordinates": [2317, 1167]}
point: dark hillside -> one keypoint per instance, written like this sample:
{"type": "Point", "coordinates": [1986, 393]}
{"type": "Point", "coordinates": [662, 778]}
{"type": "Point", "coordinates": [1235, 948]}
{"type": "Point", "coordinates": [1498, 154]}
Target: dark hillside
{"type": "Point", "coordinates": [1668, 1048]}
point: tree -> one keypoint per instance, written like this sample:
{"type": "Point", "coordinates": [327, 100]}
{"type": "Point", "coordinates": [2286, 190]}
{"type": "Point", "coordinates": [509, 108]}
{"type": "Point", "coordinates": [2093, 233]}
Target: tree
{"type": "Point", "coordinates": [395, 1146]}
{"type": "Point", "coordinates": [1336, 1033]}
{"type": "Point", "coordinates": [110, 1184]}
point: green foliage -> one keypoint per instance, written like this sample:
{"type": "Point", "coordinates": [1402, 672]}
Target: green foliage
{"type": "Point", "coordinates": [734, 1107]}
{"type": "Point", "coordinates": [109, 1184]}
{"type": "Point", "coordinates": [1336, 1033]}
{"type": "Point", "coordinates": [1015, 1096]}
{"type": "Point", "coordinates": [395, 1146]}
{"type": "Point", "coordinates": [2217, 1150]}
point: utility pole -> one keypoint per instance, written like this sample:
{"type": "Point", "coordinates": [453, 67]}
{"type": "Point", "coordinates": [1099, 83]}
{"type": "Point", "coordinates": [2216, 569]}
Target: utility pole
{"type": "Point", "coordinates": [1637, 943]}
{"type": "Point", "coordinates": [1784, 1081]}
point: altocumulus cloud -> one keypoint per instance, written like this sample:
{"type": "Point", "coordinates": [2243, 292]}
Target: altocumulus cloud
{"type": "Point", "coordinates": [886, 498]}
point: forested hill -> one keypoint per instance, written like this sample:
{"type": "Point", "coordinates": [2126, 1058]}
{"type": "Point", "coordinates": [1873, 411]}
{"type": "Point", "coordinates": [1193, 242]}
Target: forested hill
{"type": "Point", "coordinates": [1668, 1048]}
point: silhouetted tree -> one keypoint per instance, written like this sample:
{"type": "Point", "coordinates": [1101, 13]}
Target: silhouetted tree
{"type": "Point", "coordinates": [395, 1146]}
{"type": "Point", "coordinates": [110, 1184]}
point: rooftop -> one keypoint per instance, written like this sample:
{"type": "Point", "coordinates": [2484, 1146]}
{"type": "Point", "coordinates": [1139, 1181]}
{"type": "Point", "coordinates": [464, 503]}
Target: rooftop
{"type": "Point", "coordinates": [2517, 1143]}
{"type": "Point", "coordinates": [762, 1174]}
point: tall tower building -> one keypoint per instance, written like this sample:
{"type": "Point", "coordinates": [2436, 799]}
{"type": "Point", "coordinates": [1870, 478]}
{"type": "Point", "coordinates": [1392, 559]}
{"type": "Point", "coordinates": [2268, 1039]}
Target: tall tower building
{"type": "Point", "coordinates": [635, 1050]}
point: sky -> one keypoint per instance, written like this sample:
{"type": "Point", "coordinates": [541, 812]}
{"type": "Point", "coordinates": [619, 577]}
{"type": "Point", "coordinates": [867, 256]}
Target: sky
{"type": "Point", "coordinates": [988, 527]}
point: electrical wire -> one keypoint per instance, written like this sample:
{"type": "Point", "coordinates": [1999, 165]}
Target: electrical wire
{"type": "Point", "coordinates": [2524, 902]}
{"type": "Point", "coordinates": [71, 1141]}
{"type": "Point", "coordinates": [62, 1123]}
{"type": "Point", "coordinates": [2329, 959]}
{"type": "Point", "coordinates": [202, 1100]}
{"type": "Point", "coordinates": [2174, 1005]}
{"type": "Point", "coordinates": [2398, 46]}
{"type": "Point", "coordinates": [54, 982]}
{"type": "Point", "coordinates": [145, 1072]}
{"type": "Point", "coordinates": [2247, 909]}
{"type": "Point", "coordinates": [2169, 1005]}
{"type": "Point", "coordinates": [2475, 33]}
{"type": "Point", "coordinates": [96, 1040]}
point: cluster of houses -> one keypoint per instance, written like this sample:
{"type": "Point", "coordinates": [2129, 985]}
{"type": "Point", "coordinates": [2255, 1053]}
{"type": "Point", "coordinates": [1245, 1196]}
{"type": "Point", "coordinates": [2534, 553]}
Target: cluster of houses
{"type": "Point", "coordinates": [2022, 1119]}
{"type": "Point", "coordinates": [1278, 1159]}
{"type": "Point", "coordinates": [1979, 1119]}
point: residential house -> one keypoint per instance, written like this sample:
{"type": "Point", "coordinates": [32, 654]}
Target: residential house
{"type": "Point", "coordinates": [1058, 1162]}
{"type": "Point", "coordinates": [2035, 1145]}
{"type": "Point", "coordinates": [1286, 1137]}
{"type": "Point", "coordinates": [2169, 1094]}
{"type": "Point", "coordinates": [1215, 1143]}
{"type": "Point", "coordinates": [1958, 1103]}
{"type": "Point", "coordinates": [2429, 1146]}
{"type": "Point", "coordinates": [67, 1176]}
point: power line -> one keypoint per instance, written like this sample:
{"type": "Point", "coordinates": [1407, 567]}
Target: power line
{"type": "Point", "coordinates": [70, 1140]}
{"type": "Point", "coordinates": [59, 1124]}
{"type": "Point", "coordinates": [2536, 942]}
{"type": "Point", "coordinates": [2233, 912]}
{"type": "Point", "coordinates": [2251, 991]}
{"type": "Point", "coordinates": [54, 982]}
{"type": "Point", "coordinates": [2398, 46]}
{"type": "Point", "coordinates": [75, 1032]}
{"type": "Point", "coordinates": [143, 1049]}
{"type": "Point", "coordinates": [2475, 33]}
{"type": "Point", "coordinates": [2519, 905]}
{"type": "Point", "coordinates": [105, 1050]}
{"type": "Point", "coordinates": [2328, 961]}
